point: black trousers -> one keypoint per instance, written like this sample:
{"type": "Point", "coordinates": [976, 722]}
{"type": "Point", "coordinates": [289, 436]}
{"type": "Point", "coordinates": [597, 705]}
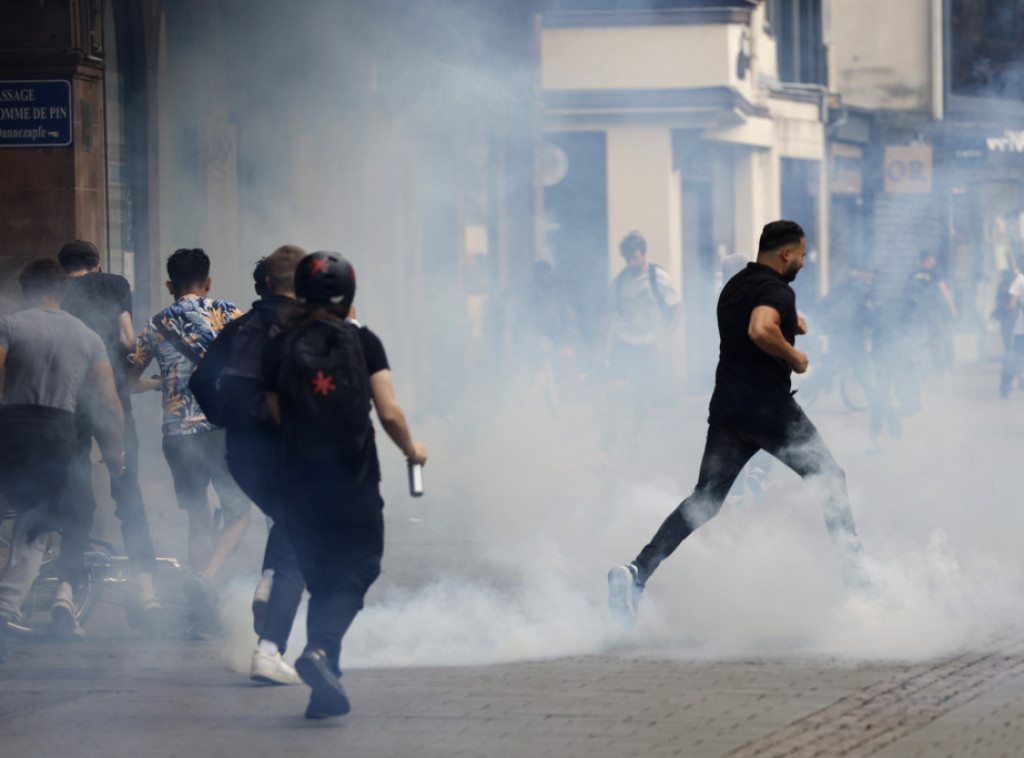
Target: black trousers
{"type": "Point", "coordinates": [252, 461]}
{"type": "Point", "coordinates": [127, 495]}
{"type": "Point", "coordinates": [1013, 363]}
{"type": "Point", "coordinates": [781, 429]}
{"type": "Point", "coordinates": [337, 529]}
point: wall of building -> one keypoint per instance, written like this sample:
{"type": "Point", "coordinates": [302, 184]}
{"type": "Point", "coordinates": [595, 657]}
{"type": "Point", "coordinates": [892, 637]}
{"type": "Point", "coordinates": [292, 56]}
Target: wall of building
{"type": "Point", "coordinates": [642, 57]}
{"type": "Point", "coordinates": [53, 194]}
{"type": "Point", "coordinates": [880, 56]}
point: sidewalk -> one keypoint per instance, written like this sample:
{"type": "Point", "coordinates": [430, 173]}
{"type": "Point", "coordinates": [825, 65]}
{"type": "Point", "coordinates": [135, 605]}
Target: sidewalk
{"type": "Point", "coordinates": [701, 676]}
{"type": "Point", "coordinates": [122, 698]}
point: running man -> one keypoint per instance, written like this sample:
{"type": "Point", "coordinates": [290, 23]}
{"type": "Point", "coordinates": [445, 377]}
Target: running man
{"type": "Point", "coordinates": [752, 408]}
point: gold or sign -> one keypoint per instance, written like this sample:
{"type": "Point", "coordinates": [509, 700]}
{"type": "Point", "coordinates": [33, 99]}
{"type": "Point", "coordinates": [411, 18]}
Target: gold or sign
{"type": "Point", "coordinates": [845, 169]}
{"type": "Point", "coordinates": [908, 169]}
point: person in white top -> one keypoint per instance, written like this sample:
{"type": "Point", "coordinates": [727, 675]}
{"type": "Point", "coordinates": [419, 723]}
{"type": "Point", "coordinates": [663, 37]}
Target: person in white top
{"type": "Point", "coordinates": [1013, 363]}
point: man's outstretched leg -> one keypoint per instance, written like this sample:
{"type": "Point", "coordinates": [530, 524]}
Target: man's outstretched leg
{"type": "Point", "coordinates": [725, 454]}
{"type": "Point", "coordinates": [804, 451]}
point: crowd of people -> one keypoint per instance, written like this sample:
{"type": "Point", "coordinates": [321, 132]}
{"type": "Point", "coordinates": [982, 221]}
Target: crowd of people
{"type": "Point", "coordinates": [271, 407]}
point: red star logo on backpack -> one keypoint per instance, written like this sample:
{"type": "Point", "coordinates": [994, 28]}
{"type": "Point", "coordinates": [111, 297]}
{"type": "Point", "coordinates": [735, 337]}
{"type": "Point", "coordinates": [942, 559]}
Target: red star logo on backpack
{"type": "Point", "coordinates": [322, 385]}
{"type": "Point", "coordinates": [318, 265]}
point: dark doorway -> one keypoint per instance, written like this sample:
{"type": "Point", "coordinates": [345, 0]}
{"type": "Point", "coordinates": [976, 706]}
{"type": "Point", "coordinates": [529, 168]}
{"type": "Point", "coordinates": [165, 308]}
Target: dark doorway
{"type": "Point", "coordinates": [576, 223]}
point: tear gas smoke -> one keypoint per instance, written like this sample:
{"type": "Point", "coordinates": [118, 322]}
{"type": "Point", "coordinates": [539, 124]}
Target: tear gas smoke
{"type": "Point", "coordinates": [525, 512]}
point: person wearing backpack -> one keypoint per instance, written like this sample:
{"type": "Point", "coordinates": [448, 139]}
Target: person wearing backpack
{"type": "Point", "coordinates": [322, 374]}
{"type": "Point", "coordinates": [644, 307]}
{"type": "Point", "coordinates": [228, 385]}
{"type": "Point", "coordinates": [177, 338]}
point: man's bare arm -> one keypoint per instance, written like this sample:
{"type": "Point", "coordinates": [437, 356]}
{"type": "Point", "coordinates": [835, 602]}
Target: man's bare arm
{"type": "Point", "coordinates": [392, 418]}
{"type": "Point", "coordinates": [107, 416]}
{"type": "Point", "coordinates": [125, 331]}
{"type": "Point", "coordinates": [766, 332]}
{"type": "Point", "coordinates": [947, 295]}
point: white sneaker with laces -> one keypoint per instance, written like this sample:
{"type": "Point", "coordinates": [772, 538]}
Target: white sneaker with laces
{"type": "Point", "coordinates": [272, 669]}
{"type": "Point", "coordinates": [624, 592]}
{"type": "Point", "coordinates": [64, 616]}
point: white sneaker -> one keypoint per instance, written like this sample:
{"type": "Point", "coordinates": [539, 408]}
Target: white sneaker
{"type": "Point", "coordinates": [272, 669]}
{"type": "Point", "coordinates": [64, 616]}
{"type": "Point", "coordinates": [624, 592]}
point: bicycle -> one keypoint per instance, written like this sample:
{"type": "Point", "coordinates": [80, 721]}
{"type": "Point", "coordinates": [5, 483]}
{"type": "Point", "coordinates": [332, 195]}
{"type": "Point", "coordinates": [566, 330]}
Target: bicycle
{"type": "Point", "coordinates": [107, 578]}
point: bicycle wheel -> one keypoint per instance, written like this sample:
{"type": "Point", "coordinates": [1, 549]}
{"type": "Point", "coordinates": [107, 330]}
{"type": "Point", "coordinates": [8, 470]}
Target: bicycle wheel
{"type": "Point", "coordinates": [854, 393]}
{"type": "Point", "coordinates": [35, 611]}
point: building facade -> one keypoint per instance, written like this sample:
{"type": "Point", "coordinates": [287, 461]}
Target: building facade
{"type": "Point", "coordinates": [675, 122]}
{"type": "Point", "coordinates": [928, 156]}
{"type": "Point", "coordinates": [401, 134]}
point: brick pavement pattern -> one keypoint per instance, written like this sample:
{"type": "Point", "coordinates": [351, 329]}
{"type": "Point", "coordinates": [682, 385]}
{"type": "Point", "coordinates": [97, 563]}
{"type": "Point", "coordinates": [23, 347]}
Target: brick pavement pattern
{"type": "Point", "coordinates": [121, 697]}
{"type": "Point", "coordinates": [863, 723]}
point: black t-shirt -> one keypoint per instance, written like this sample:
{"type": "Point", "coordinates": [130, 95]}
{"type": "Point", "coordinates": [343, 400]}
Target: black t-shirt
{"type": "Point", "coordinates": [746, 373]}
{"type": "Point", "coordinates": [376, 360]}
{"type": "Point", "coordinates": [98, 300]}
{"type": "Point", "coordinates": [373, 351]}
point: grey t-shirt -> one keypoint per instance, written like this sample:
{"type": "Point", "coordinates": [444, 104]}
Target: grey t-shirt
{"type": "Point", "coordinates": [49, 353]}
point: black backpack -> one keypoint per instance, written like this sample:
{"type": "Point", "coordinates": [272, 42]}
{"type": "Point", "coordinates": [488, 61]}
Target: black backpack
{"type": "Point", "coordinates": [324, 391]}
{"type": "Point", "coordinates": [228, 381]}
{"type": "Point", "coordinates": [240, 389]}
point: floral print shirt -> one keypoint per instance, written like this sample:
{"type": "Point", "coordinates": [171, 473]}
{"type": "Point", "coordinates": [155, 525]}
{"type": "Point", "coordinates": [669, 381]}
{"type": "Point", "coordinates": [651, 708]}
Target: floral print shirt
{"type": "Point", "coordinates": [195, 322]}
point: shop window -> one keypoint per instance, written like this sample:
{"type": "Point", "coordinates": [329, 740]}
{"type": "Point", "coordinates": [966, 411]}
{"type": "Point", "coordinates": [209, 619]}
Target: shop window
{"type": "Point", "coordinates": [986, 38]}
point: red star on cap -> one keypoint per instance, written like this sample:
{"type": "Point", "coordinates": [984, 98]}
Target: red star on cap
{"type": "Point", "coordinates": [322, 385]}
{"type": "Point", "coordinates": [318, 265]}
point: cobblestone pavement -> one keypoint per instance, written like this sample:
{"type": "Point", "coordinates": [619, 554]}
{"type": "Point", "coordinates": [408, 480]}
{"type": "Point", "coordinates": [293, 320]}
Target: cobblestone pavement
{"type": "Point", "coordinates": [126, 698]}
{"type": "Point", "coordinates": [118, 695]}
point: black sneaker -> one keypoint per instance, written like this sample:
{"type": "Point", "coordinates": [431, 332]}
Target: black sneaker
{"type": "Point", "coordinates": [328, 698]}
{"type": "Point", "coordinates": [624, 592]}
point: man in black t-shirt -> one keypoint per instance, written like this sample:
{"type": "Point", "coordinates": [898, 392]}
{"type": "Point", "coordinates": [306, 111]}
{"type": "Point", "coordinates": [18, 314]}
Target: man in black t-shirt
{"type": "Point", "coordinates": [335, 510]}
{"type": "Point", "coordinates": [104, 303]}
{"type": "Point", "coordinates": [752, 408]}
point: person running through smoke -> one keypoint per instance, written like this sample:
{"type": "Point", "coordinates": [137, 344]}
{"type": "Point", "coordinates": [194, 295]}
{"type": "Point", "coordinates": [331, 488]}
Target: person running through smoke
{"type": "Point", "coordinates": [51, 362]}
{"type": "Point", "coordinates": [752, 409]}
{"type": "Point", "coordinates": [229, 386]}
{"type": "Point", "coordinates": [103, 302]}
{"type": "Point", "coordinates": [321, 375]}
{"type": "Point", "coordinates": [178, 338]}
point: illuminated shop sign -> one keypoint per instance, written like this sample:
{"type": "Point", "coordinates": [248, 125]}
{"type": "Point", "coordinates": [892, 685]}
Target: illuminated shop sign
{"type": "Point", "coordinates": [1010, 142]}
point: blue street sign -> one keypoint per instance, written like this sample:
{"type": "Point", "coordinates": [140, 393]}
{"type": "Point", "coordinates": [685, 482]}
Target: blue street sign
{"type": "Point", "coordinates": [35, 113]}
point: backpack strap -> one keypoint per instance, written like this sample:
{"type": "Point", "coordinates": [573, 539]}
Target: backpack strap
{"type": "Point", "coordinates": [179, 344]}
{"type": "Point", "coordinates": [620, 280]}
{"type": "Point", "coordinates": [652, 273]}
